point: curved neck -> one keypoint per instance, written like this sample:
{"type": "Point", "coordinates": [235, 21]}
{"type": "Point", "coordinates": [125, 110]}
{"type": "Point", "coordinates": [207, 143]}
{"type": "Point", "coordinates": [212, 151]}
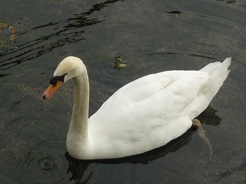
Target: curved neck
{"type": "Point", "coordinates": [79, 121]}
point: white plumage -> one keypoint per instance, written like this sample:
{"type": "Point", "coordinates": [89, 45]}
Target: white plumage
{"type": "Point", "coordinates": [142, 115]}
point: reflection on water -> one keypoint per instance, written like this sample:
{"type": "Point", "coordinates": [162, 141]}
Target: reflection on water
{"type": "Point", "coordinates": [64, 32]}
{"type": "Point", "coordinates": [79, 167]}
{"type": "Point", "coordinates": [163, 35]}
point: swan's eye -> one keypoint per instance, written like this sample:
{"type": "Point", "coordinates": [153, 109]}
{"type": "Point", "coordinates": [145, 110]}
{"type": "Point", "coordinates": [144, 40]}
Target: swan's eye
{"type": "Point", "coordinates": [53, 80]}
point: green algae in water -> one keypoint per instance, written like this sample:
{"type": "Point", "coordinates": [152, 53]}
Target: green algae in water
{"type": "Point", "coordinates": [103, 56]}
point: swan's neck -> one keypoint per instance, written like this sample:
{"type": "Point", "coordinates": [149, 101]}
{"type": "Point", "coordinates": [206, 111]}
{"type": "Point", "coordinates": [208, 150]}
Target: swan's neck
{"type": "Point", "coordinates": [79, 121]}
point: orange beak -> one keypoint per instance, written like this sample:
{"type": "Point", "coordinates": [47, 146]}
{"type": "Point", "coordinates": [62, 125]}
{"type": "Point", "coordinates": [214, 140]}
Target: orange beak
{"type": "Point", "coordinates": [51, 90]}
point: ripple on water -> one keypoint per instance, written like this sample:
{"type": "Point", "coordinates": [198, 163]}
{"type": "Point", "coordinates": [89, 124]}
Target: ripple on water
{"type": "Point", "coordinates": [45, 163]}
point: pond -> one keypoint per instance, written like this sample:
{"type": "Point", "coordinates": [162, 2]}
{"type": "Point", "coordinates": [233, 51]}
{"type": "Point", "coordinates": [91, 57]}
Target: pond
{"type": "Point", "coordinates": [146, 37]}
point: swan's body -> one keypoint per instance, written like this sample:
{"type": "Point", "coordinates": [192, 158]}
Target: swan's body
{"type": "Point", "coordinates": [142, 115]}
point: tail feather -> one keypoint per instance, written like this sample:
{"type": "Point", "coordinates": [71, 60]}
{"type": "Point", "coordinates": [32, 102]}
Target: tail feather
{"type": "Point", "coordinates": [218, 72]}
{"type": "Point", "coordinates": [210, 68]}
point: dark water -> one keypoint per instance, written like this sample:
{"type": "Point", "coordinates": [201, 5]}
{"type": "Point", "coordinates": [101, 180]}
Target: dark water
{"type": "Point", "coordinates": [150, 36]}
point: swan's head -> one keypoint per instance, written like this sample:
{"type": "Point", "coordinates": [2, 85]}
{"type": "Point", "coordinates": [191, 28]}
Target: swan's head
{"type": "Point", "coordinates": [67, 69]}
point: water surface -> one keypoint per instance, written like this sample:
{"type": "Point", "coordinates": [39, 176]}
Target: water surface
{"type": "Point", "coordinates": [150, 36]}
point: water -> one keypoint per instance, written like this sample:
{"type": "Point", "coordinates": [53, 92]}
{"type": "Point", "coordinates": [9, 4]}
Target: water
{"type": "Point", "coordinates": [150, 36]}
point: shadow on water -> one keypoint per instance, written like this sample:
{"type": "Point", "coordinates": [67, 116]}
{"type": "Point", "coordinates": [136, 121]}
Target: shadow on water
{"type": "Point", "coordinates": [78, 167]}
{"type": "Point", "coordinates": [66, 31]}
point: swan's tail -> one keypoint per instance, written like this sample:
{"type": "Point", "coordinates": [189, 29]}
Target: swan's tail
{"type": "Point", "coordinates": [218, 72]}
{"type": "Point", "coordinates": [220, 68]}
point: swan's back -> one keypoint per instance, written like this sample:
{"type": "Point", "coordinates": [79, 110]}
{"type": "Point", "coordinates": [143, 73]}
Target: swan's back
{"type": "Point", "coordinates": [153, 110]}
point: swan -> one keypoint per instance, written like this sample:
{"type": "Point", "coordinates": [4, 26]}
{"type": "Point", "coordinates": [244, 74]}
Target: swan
{"type": "Point", "coordinates": [145, 114]}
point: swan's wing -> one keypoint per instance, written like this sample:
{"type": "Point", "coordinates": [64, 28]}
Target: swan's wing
{"type": "Point", "coordinates": [138, 90]}
{"type": "Point", "coordinates": [171, 84]}
{"type": "Point", "coordinates": [159, 114]}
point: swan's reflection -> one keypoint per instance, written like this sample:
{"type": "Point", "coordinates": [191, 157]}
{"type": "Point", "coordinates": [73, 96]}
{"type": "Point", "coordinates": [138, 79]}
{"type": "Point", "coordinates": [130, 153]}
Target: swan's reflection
{"type": "Point", "coordinates": [78, 167]}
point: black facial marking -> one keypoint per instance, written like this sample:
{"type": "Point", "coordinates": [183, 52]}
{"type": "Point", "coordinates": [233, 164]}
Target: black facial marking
{"type": "Point", "coordinates": [53, 80]}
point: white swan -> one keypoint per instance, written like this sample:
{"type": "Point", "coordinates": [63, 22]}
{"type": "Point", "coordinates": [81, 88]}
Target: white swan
{"type": "Point", "coordinates": [143, 115]}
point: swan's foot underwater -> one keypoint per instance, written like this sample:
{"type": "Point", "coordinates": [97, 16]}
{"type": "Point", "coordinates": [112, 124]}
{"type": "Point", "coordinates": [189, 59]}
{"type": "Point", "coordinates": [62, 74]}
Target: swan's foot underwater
{"type": "Point", "coordinates": [197, 124]}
